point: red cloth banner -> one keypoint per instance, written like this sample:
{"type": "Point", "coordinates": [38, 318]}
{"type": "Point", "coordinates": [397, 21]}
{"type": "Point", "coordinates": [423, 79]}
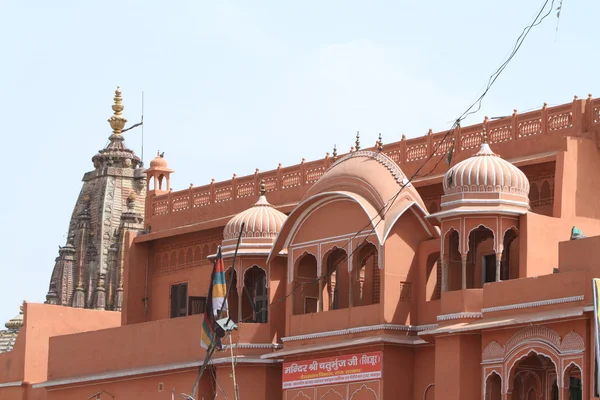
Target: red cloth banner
{"type": "Point", "coordinates": [323, 371]}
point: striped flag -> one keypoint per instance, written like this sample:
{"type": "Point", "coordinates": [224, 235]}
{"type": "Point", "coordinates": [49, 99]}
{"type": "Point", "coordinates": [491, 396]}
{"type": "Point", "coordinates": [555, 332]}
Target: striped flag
{"type": "Point", "coordinates": [215, 305]}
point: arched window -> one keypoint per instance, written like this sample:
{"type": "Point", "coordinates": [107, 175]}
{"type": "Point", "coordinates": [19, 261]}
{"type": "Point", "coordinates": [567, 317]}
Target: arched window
{"type": "Point", "coordinates": [233, 298]}
{"type": "Point", "coordinates": [335, 290]}
{"type": "Point", "coordinates": [255, 299]}
{"type": "Point", "coordinates": [365, 277]}
{"type": "Point", "coordinates": [306, 297]}
{"type": "Point", "coordinates": [493, 386]}
{"type": "Point", "coordinates": [572, 380]}
{"type": "Point", "coordinates": [481, 258]}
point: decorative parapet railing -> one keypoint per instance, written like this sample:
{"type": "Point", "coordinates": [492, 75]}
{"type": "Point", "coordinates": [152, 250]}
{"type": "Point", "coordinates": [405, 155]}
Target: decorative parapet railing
{"type": "Point", "coordinates": [569, 119]}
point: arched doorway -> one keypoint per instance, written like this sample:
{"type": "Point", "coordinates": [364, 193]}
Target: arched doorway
{"type": "Point", "coordinates": [493, 387]}
{"type": "Point", "coordinates": [572, 383]}
{"type": "Point", "coordinates": [530, 376]}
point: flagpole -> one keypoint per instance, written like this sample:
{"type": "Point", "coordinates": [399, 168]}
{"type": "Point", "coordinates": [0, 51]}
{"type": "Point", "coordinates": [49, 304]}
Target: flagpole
{"type": "Point", "coordinates": [237, 246]}
{"type": "Point", "coordinates": [211, 349]}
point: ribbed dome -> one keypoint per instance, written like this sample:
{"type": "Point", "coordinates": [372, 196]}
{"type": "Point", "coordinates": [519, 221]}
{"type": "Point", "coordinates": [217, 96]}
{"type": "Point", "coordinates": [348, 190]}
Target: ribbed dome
{"type": "Point", "coordinates": [262, 221]}
{"type": "Point", "coordinates": [486, 172]}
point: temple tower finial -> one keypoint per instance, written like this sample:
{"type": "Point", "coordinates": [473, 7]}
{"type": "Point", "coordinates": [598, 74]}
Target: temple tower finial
{"type": "Point", "coordinates": [334, 154]}
{"type": "Point", "coordinates": [484, 132]}
{"type": "Point", "coordinates": [117, 121]}
{"type": "Point", "coordinates": [263, 187]}
{"type": "Point", "coordinates": [379, 144]}
{"type": "Point", "coordinates": [357, 147]}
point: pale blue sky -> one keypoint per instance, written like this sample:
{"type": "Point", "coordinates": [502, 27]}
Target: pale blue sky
{"type": "Point", "coordinates": [232, 86]}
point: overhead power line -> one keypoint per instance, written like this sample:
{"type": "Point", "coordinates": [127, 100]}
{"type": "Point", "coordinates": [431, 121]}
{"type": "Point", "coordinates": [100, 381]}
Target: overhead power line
{"type": "Point", "coordinates": [380, 216]}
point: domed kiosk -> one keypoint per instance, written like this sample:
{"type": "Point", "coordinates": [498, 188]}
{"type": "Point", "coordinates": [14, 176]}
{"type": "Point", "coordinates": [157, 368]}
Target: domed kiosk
{"type": "Point", "coordinates": [484, 197]}
{"type": "Point", "coordinates": [256, 228]}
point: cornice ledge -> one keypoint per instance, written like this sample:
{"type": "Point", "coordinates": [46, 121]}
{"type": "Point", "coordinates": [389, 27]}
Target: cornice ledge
{"type": "Point", "coordinates": [11, 384]}
{"type": "Point", "coordinates": [460, 315]}
{"type": "Point", "coordinates": [157, 369]}
{"type": "Point", "coordinates": [267, 346]}
{"type": "Point", "coordinates": [540, 303]}
{"type": "Point", "coordinates": [360, 329]}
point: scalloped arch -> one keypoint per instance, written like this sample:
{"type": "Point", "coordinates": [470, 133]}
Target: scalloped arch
{"type": "Point", "coordinates": [541, 333]}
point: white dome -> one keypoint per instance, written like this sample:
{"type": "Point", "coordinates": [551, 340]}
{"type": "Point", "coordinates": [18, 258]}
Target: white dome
{"type": "Point", "coordinates": [262, 221]}
{"type": "Point", "coordinates": [486, 172]}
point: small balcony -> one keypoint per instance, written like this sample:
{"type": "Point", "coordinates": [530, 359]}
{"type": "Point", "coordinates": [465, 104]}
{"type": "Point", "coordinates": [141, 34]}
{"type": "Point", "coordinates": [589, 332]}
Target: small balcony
{"type": "Point", "coordinates": [461, 301]}
{"type": "Point", "coordinates": [333, 320]}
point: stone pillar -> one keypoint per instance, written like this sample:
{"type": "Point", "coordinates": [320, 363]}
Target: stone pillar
{"type": "Point", "coordinates": [463, 258]}
{"type": "Point", "coordinates": [445, 266]}
{"type": "Point", "coordinates": [498, 266]}
{"type": "Point", "coordinates": [100, 293]}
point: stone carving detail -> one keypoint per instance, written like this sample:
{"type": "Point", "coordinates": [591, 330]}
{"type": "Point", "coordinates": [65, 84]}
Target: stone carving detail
{"type": "Point", "coordinates": [533, 332]}
{"type": "Point", "coordinates": [572, 342]}
{"type": "Point", "coordinates": [331, 394]}
{"type": "Point", "coordinates": [171, 258]}
{"type": "Point", "coordinates": [381, 158]}
{"type": "Point", "coordinates": [493, 351]}
{"type": "Point", "coordinates": [301, 396]}
{"type": "Point", "coordinates": [364, 393]}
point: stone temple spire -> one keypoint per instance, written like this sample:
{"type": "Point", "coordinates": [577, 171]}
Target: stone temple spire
{"type": "Point", "coordinates": [88, 271]}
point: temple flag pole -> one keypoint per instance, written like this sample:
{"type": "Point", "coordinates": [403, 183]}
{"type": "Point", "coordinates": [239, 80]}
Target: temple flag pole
{"type": "Point", "coordinates": [235, 253]}
{"type": "Point", "coordinates": [212, 347]}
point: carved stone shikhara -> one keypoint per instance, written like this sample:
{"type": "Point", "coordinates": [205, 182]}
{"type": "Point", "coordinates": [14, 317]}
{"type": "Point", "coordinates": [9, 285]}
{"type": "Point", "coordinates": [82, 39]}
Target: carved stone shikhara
{"type": "Point", "coordinates": [88, 272]}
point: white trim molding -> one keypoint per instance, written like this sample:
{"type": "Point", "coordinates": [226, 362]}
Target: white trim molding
{"type": "Point", "coordinates": [11, 384]}
{"type": "Point", "coordinates": [360, 329]}
{"type": "Point", "coordinates": [265, 346]}
{"type": "Point", "coordinates": [460, 315]}
{"type": "Point", "coordinates": [540, 303]}
{"type": "Point", "coordinates": [156, 369]}
{"type": "Point", "coordinates": [352, 343]}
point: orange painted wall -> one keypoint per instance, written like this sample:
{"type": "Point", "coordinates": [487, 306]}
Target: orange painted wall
{"type": "Point", "coordinates": [401, 269]}
{"type": "Point", "coordinates": [462, 383]}
{"type": "Point", "coordinates": [139, 388]}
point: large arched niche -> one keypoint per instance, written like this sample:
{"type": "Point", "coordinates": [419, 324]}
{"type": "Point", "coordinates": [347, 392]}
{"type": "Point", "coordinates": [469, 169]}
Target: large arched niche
{"type": "Point", "coordinates": [339, 216]}
{"type": "Point", "coordinates": [371, 180]}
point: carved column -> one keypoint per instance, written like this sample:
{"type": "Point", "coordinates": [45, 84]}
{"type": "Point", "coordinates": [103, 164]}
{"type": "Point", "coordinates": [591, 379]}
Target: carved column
{"type": "Point", "coordinates": [445, 266]}
{"type": "Point", "coordinates": [498, 266]}
{"type": "Point", "coordinates": [463, 258]}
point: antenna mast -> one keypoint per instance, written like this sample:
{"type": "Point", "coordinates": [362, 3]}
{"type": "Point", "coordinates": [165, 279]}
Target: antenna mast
{"type": "Point", "coordinates": [142, 127]}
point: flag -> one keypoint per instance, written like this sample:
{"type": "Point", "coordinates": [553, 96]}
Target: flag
{"type": "Point", "coordinates": [596, 291]}
{"type": "Point", "coordinates": [215, 305]}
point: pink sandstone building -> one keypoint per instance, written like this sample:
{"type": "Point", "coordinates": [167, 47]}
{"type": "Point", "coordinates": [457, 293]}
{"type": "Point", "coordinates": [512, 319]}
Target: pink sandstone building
{"type": "Point", "coordinates": [383, 273]}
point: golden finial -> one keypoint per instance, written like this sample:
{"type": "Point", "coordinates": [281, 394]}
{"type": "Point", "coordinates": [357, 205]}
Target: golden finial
{"type": "Point", "coordinates": [379, 144]}
{"type": "Point", "coordinates": [357, 147]}
{"type": "Point", "coordinates": [334, 152]}
{"type": "Point", "coordinates": [484, 135]}
{"type": "Point", "coordinates": [263, 188]}
{"type": "Point", "coordinates": [117, 121]}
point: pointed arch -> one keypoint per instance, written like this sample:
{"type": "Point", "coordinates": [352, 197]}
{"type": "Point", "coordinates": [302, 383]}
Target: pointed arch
{"type": "Point", "coordinates": [306, 298]}
{"type": "Point", "coordinates": [335, 294]}
{"type": "Point", "coordinates": [365, 277]}
{"type": "Point", "coordinates": [255, 296]}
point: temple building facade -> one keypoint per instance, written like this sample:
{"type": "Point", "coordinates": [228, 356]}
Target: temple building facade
{"type": "Point", "coordinates": [380, 273]}
{"type": "Point", "coordinates": [88, 272]}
